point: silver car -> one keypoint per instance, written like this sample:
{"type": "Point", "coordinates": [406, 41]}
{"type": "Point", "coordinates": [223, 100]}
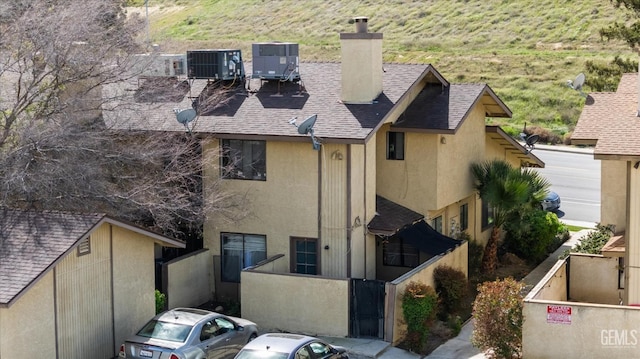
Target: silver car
{"type": "Point", "coordinates": [290, 346]}
{"type": "Point", "coordinates": [189, 333]}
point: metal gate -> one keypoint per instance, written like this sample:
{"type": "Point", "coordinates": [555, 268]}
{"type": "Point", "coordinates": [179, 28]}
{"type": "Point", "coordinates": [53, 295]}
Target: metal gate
{"type": "Point", "coordinates": [367, 309]}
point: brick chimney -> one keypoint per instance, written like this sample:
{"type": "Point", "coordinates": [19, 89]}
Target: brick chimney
{"type": "Point", "coordinates": [361, 64]}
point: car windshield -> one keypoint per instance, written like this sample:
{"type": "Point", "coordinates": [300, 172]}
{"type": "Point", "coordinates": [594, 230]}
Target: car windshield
{"type": "Point", "coordinates": [260, 354]}
{"type": "Point", "coordinates": [165, 331]}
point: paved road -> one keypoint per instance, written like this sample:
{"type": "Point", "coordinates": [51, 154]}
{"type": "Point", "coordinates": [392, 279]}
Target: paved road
{"type": "Point", "coordinates": [575, 176]}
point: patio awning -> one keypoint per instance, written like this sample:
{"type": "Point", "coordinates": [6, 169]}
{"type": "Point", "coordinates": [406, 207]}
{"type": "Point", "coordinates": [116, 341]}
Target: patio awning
{"type": "Point", "coordinates": [427, 239]}
{"type": "Point", "coordinates": [391, 217]}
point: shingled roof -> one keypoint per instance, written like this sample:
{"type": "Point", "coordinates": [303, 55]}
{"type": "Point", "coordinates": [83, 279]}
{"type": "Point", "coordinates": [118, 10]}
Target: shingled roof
{"type": "Point", "coordinates": [32, 242]}
{"type": "Point", "coordinates": [264, 110]}
{"type": "Point", "coordinates": [610, 121]}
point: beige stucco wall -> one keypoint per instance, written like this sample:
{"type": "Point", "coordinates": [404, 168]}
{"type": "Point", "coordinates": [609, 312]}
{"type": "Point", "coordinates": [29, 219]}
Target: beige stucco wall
{"type": "Point", "coordinates": [592, 331]}
{"type": "Point", "coordinates": [361, 67]}
{"type": "Point", "coordinates": [327, 194]}
{"type": "Point", "coordinates": [133, 284]}
{"type": "Point", "coordinates": [613, 193]}
{"type": "Point", "coordinates": [458, 258]}
{"type": "Point", "coordinates": [632, 238]}
{"type": "Point", "coordinates": [306, 304]}
{"type": "Point", "coordinates": [553, 286]}
{"type": "Point", "coordinates": [594, 279]}
{"type": "Point", "coordinates": [189, 279]}
{"type": "Point", "coordinates": [27, 328]}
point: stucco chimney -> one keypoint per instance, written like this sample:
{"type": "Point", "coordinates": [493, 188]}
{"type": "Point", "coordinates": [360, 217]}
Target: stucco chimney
{"type": "Point", "coordinates": [361, 64]}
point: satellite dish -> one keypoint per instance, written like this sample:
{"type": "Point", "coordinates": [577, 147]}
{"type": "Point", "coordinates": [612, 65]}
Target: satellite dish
{"type": "Point", "coordinates": [577, 83]}
{"type": "Point", "coordinates": [531, 140]}
{"type": "Point", "coordinates": [306, 126]}
{"type": "Point", "coordinates": [185, 116]}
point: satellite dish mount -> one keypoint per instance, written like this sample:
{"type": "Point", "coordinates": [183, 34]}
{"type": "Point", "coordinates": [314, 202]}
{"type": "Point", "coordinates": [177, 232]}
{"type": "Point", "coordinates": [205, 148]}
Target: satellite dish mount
{"type": "Point", "coordinates": [529, 140]}
{"type": "Point", "coordinates": [306, 128]}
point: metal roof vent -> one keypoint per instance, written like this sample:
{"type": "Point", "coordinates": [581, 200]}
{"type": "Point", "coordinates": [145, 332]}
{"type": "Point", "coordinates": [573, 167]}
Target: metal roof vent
{"type": "Point", "coordinates": [361, 23]}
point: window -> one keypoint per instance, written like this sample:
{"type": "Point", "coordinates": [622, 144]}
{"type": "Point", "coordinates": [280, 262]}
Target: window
{"type": "Point", "coordinates": [396, 252]}
{"type": "Point", "coordinates": [395, 145]}
{"type": "Point", "coordinates": [84, 247]}
{"type": "Point", "coordinates": [244, 160]}
{"type": "Point", "coordinates": [437, 224]}
{"type": "Point", "coordinates": [487, 215]}
{"type": "Point", "coordinates": [304, 256]}
{"type": "Point", "coordinates": [464, 217]}
{"type": "Point", "coordinates": [240, 251]}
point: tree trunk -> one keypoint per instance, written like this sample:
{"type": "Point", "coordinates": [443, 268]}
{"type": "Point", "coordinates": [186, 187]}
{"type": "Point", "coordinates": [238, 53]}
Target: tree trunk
{"type": "Point", "coordinates": [490, 256]}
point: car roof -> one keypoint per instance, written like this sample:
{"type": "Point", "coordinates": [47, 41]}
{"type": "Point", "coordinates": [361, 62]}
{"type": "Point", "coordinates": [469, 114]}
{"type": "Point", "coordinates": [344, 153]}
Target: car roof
{"type": "Point", "coordinates": [279, 342]}
{"type": "Point", "coordinates": [189, 316]}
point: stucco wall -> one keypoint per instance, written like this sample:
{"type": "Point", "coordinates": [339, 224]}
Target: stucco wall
{"type": "Point", "coordinates": [306, 304]}
{"type": "Point", "coordinates": [395, 328]}
{"type": "Point", "coordinates": [613, 193]}
{"type": "Point", "coordinates": [594, 279]}
{"type": "Point", "coordinates": [189, 279]}
{"type": "Point", "coordinates": [590, 331]}
{"type": "Point", "coordinates": [553, 286]}
{"type": "Point", "coordinates": [632, 238]}
{"type": "Point", "coordinates": [27, 328]}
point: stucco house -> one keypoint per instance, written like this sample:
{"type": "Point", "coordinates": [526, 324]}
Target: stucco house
{"type": "Point", "coordinates": [73, 285]}
{"type": "Point", "coordinates": [587, 305]}
{"type": "Point", "coordinates": [385, 170]}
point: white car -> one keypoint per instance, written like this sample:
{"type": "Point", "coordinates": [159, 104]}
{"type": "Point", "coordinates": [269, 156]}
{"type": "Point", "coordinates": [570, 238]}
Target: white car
{"type": "Point", "coordinates": [189, 333]}
{"type": "Point", "coordinates": [290, 346]}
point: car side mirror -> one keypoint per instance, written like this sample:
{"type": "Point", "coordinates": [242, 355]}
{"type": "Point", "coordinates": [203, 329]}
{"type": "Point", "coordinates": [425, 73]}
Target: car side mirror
{"type": "Point", "coordinates": [240, 328]}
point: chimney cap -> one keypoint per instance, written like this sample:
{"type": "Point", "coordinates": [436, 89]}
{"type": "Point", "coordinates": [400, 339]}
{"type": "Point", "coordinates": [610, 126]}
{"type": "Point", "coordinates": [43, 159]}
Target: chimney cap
{"type": "Point", "coordinates": [360, 19]}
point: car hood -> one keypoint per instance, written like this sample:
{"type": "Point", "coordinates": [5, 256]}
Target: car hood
{"type": "Point", "coordinates": [154, 342]}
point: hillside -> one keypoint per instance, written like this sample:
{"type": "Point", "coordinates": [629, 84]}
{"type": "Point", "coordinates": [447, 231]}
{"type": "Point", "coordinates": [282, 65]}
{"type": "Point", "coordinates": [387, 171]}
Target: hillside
{"type": "Point", "coordinates": [525, 50]}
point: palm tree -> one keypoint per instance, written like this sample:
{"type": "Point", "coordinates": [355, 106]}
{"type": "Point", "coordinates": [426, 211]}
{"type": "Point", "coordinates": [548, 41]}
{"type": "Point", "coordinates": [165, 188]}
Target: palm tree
{"type": "Point", "coordinates": [505, 189]}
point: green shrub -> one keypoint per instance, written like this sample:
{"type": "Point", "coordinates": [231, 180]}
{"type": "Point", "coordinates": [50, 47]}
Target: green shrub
{"type": "Point", "coordinates": [161, 300]}
{"type": "Point", "coordinates": [419, 308]}
{"type": "Point", "coordinates": [474, 259]}
{"type": "Point", "coordinates": [593, 242]}
{"type": "Point", "coordinates": [497, 313]}
{"type": "Point", "coordinates": [452, 288]}
{"type": "Point", "coordinates": [531, 233]}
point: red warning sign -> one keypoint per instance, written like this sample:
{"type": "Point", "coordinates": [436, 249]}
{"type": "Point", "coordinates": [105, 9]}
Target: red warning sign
{"type": "Point", "coordinates": [559, 314]}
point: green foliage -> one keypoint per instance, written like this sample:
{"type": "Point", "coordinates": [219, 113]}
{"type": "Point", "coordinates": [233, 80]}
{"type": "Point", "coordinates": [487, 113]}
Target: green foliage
{"type": "Point", "coordinates": [419, 308]}
{"type": "Point", "coordinates": [497, 313]}
{"type": "Point", "coordinates": [605, 77]}
{"type": "Point", "coordinates": [161, 301]}
{"type": "Point", "coordinates": [475, 258]}
{"type": "Point", "coordinates": [531, 233]}
{"type": "Point", "coordinates": [593, 242]}
{"type": "Point", "coordinates": [526, 61]}
{"type": "Point", "coordinates": [452, 287]}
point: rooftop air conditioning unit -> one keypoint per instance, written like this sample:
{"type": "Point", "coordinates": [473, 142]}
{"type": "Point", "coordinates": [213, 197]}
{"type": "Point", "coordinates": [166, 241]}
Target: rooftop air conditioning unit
{"type": "Point", "coordinates": [276, 61]}
{"type": "Point", "coordinates": [160, 65]}
{"type": "Point", "coordinates": [219, 64]}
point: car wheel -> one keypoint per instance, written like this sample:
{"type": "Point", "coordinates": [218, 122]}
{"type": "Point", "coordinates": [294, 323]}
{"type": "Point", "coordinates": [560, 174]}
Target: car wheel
{"type": "Point", "coordinates": [252, 337]}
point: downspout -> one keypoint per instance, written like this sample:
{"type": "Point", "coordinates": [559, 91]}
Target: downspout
{"type": "Point", "coordinates": [113, 308]}
{"type": "Point", "coordinates": [320, 240]}
{"type": "Point", "coordinates": [349, 223]}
